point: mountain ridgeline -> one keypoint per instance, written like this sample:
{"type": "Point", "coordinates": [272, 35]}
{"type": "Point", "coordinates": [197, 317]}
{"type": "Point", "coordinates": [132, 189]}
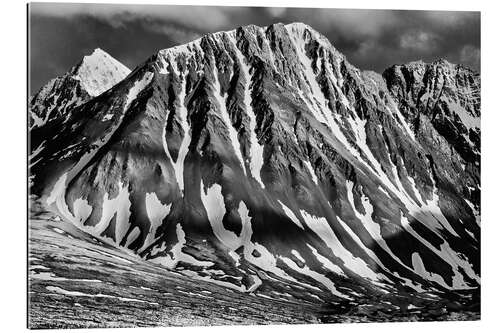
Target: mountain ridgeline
{"type": "Point", "coordinates": [260, 159]}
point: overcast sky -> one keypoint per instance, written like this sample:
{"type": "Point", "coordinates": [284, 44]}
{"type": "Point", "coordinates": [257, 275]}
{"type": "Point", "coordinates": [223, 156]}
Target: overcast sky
{"type": "Point", "coordinates": [61, 34]}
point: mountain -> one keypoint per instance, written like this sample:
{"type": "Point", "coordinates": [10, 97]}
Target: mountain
{"type": "Point", "coordinates": [54, 103]}
{"type": "Point", "coordinates": [93, 75]}
{"type": "Point", "coordinates": [448, 97]}
{"type": "Point", "coordinates": [261, 159]}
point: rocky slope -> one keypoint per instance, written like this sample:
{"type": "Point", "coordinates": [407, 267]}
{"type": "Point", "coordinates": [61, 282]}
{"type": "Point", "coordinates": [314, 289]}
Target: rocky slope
{"type": "Point", "coordinates": [261, 155]}
{"type": "Point", "coordinates": [74, 281]}
{"type": "Point", "coordinates": [446, 96]}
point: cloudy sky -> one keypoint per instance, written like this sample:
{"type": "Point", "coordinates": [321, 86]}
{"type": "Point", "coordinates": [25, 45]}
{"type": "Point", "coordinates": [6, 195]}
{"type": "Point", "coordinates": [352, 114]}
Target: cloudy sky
{"type": "Point", "coordinates": [61, 34]}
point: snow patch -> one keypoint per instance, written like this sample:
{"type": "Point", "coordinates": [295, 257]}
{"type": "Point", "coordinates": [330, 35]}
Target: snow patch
{"type": "Point", "coordinates": [394, 109]}
{"type": "Point", "coordinates": [224, 114]}
{"type": "Point", "coordinates": [476, 213]}
{"type": "Point", "coordinates": [326, 262]}
{"type": "Point", "coordinates": [311, 172]}
{"type": "Point", "coordinates": [314, 275]}
{"type": "Point", "coordinates": [215, 207]}
{"type": "Point", "coordinates": [156, 213]}
{"type": "Point", "coordinates": [418, 266]}
{"type": "Point", "coordinates": [447, 255]}
{"type": "Point", "coordinates": [178, 255]}
{"type": "Point", "coordinates": [186, 139]}
{"type": "Point", "coordinates": [469, 121]}
{"type": "Point", "coordinates": [298, 256]}
{"type": "Point", "coordinates": [66, 292]}
{"type": "Point", "coordinates": [119, 206]}
{"type": "Point", "coordinates": [107, 117]}
{"type": "Point", "coordinates": [321, 227]}
{"type": "Point", "coordinates": [291, 215]}
{"type": "Point", "coordinates": [213, 201]}
{"type": "Point", "coordinates": [133, 236]}
{"type": "Point", "coordinates": [371, 226]}
{"type": "Point", "coordinates": [256, 150]}
{"type": "Point", "coordinates": [37, 151]}
{"type": "Point", "coordinates": [99, 72]}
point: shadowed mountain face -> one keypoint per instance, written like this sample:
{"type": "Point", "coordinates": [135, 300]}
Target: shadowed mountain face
{"type": "Point", "coordinates": [261, 159]}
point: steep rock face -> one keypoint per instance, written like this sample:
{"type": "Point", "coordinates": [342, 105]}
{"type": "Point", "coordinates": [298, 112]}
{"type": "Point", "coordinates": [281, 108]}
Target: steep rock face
{"type": "Point", "coordinates": [260, 155]}
{"type": "Point", "coordinates": [442, 103]}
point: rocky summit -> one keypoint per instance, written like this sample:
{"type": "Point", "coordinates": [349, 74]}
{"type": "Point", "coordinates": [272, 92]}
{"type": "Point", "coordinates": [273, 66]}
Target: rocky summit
{"type": "Point", "coordinates": [262, 161]}
{"type": "Point", "coordinates": [95, 74]}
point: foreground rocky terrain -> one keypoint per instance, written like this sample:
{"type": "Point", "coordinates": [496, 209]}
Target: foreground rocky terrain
{"type": "Point", "coordinates": [261, 161]}
{"type": "Point", "coordinates": [77, 281]}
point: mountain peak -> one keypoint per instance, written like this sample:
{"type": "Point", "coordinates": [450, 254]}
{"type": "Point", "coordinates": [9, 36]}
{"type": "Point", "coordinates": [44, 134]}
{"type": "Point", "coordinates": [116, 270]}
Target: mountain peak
{"type": "Point", "coordinates": [97, 54]}
{"type": "Point", "coordinates": [298, 31]}
{"type": "Point", "coordinates": [306, 32]}
{"type": "Point", "coordinates": [95, 57]}
{"type": "Point", "coordinates": [99, 71]}
{"type": "Point", "coordinates": [263, 135]}
{"type": "Point", "coordinates": [442, 61]}
{"type": "Point", "coordinates": [299, 25]}
{"type": "Point", "coordinates": [93, 75]}
{"type": "Point", "coordinates": [423, 64]}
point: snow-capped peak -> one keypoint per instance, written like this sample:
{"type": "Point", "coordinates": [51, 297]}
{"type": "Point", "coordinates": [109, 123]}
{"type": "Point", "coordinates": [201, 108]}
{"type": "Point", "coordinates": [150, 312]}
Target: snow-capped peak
{"type": "Point", "coordinates": [99, 71]}
{"type": "Point", "coordinates": [92, 76]}
{"type": "Point", "coordinates": [300, 29]}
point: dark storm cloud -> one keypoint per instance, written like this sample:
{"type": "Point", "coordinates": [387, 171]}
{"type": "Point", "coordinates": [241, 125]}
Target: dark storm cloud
{"type": "Point", "coordinates": [61, 34]}
{"type": "Point", "coordinates": [376, 39]}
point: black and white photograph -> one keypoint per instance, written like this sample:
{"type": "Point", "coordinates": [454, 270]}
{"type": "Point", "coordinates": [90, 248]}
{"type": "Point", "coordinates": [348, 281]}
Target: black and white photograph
{"type": "Point", "coordinates": [230, 165]}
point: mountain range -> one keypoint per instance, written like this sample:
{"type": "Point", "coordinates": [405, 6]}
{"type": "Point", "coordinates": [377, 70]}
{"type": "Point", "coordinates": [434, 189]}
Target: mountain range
{"type": "Point", "coordinates": [261, 159]}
